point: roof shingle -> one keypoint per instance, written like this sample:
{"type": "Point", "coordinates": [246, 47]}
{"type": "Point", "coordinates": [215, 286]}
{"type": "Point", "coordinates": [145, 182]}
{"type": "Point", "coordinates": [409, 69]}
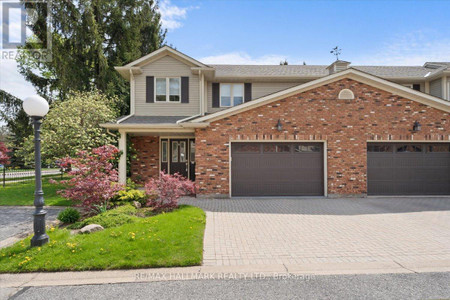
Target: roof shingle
{"type": "Point", "coordinates": [252, 71]}
{"type": "Point", "coordinates": [152, 119]}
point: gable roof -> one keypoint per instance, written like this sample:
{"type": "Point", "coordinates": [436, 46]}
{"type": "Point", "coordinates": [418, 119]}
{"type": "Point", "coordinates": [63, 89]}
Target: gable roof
{"type": "Point", "coordinates": [134, 67]}
{"type": "Point", "coordinates": [351, 73]}
{"type": "Point", "coordinates": [283, 72]}
{"type": "Point", "coordinates": [165, 50]}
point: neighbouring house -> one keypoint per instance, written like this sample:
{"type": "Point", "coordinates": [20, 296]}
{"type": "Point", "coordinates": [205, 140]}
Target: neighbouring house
{"type": "Point", "coordinates": [294, 130]}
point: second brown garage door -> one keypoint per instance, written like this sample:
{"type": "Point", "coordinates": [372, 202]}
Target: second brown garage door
{"type": "Point", "coordinates": [277, 169]}
{"type": "Point", "coordinates": [408, 169]}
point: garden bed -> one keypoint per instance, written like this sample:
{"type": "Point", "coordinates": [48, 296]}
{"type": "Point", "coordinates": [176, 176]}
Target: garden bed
{"type": "Point", "coordinates": [165, 240]}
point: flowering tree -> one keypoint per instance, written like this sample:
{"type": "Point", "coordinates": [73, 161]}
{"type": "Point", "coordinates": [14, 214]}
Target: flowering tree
{"type": "Point", "coordinates": [73, 125]}
{"type": "Point", "coordinates": [165, 191]}
{"type": "Point", "coordinates": [4, 158]}
{"type": "Point", "coordinates": [95, 177]}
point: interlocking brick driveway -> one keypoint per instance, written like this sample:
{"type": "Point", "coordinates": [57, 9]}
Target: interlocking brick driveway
{"type": "Point", "coordinates": [17, 220]}
{"type": "Point", "coordinates": [318, 230]}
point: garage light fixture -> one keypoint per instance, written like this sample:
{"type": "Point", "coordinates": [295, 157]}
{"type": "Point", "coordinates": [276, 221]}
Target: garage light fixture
{"type": "Point", "coordinates": [279, 125]}
{"type": "Point", "coordinates": [417, 126]}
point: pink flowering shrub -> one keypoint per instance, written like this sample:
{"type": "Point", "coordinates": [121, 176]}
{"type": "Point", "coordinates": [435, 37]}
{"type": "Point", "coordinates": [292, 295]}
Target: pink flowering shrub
{"type": "Point", "coordinates": [95, 178]}
{"type": "Point", "coordinates": [4, 158]}
{"type": "Point", "coordinates": [165, 191]}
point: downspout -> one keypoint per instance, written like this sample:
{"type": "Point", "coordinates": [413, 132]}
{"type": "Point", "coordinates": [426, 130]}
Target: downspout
{"type": "Point", "coordinates": [132, 92]}
{"type": "Point", "coordinates": [202, 99]}
{"type": "Point", "coordinates": [204, 95]}
{"type": "Point", "coordinates": [110, 133]}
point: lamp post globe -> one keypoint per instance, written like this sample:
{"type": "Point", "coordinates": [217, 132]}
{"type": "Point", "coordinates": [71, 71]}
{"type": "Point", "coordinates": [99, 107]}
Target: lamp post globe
{"type": "Point", "coordinates": [37, 107]}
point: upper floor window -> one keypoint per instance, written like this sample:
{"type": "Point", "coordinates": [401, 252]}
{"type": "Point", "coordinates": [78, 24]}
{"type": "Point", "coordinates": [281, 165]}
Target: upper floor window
{"type": "Point", "coordinates": [231, 94]}
{"type": "Point", "coordinates": [168, 89]}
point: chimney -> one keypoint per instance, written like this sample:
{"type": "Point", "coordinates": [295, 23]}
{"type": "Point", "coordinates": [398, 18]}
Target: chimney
{"type": "Point", "coordinates": [337, 66]}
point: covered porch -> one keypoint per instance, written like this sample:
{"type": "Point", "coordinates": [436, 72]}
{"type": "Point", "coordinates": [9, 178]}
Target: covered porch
{"type": "Point", "coordinates": [157, 144]}
{"type": "Point", "coordinates": [153, 152]}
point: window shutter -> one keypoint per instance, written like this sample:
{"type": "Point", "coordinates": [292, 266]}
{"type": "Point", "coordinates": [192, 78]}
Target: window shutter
{"type": "Point", "coordinates": [247, 92]}
{"type": "Point", "coordinates": [150, 89]}
{"type": "Point", "coordinates": [215, 94]}
{"type": "Point", "coordinates": [184, 89]}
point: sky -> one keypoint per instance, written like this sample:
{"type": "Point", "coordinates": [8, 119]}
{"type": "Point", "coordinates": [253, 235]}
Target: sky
{"type": "Point", "coordinates": [268, 31]}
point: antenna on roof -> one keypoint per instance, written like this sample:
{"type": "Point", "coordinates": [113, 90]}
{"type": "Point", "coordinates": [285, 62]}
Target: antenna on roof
{"type": "Point", "coordinates": [336, 51]}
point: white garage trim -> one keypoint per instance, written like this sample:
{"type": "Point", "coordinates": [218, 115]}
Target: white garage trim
{"type": "Point", "coordinates": [409, 141]}
{"type": "Point", "coordinates": [325, 158]}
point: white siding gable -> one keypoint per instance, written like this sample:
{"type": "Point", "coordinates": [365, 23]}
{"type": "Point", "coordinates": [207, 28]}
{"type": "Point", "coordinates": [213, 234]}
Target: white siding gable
{"type": "Point", "coordinates": [166, 66]}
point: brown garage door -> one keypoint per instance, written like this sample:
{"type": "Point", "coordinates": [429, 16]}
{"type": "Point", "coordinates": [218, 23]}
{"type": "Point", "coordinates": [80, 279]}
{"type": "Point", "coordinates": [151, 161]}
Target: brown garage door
{"type": "Point", "coordinates": [276, 169]}
{"type": "Point", "coordinates": [408, 169]}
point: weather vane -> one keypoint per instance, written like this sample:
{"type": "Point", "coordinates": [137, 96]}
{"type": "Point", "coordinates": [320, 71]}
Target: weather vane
{"type": "Point", "coordinates": [336, 51]}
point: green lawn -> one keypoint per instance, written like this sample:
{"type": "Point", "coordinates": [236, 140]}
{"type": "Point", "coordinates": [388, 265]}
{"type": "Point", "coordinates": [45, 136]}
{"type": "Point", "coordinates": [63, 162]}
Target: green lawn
{"type": "Point", "coordinates": [23, 194]}
{"type": "Point", "coordinates": [165, 240]}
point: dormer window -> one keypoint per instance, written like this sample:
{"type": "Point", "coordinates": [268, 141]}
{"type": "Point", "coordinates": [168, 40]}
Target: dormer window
{"type": "Point", "coordinates": [231, 94]}
{"type": "Point", "coordinates": [168, 89]}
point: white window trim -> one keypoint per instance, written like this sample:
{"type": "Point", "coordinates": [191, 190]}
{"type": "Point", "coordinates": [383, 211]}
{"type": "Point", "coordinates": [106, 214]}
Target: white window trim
{"type": "Point", "coordinates": [231, 93]}
{"type": "Point", "coordinates": [166, 143]}
{"type": "Point", "coordinates": [168, 90]}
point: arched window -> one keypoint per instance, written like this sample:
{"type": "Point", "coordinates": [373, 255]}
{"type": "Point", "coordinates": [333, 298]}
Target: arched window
{"type": "Point", "coordinates": [346, 94]}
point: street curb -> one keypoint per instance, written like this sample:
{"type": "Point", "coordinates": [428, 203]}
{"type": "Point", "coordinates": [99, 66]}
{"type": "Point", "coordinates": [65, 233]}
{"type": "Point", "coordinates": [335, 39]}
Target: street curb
{"type": "Point", "coordinates": [303, 271]}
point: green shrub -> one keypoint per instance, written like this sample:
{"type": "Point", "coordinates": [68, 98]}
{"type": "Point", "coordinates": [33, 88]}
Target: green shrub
{"type": "Point", "coordinates": [112, 218]}
{"type": "Point", "coordinates": [131, 185]}
{"type": "Point", "coordinates": [128, 196]}
{"type": "Point", "coordinates": [69, 215]}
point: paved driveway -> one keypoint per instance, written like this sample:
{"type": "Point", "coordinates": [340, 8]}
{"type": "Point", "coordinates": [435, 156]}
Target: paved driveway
{"type": "Point", "coordinates": [319, 230]}
{"type": "Point", "coordinates": [17, 220]}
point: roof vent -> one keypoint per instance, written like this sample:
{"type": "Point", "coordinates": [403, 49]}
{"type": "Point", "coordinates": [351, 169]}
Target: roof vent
{"type": "Point", "coordinates": [337, 66]}
{"type": "Point", "coordinates": [346, 94]}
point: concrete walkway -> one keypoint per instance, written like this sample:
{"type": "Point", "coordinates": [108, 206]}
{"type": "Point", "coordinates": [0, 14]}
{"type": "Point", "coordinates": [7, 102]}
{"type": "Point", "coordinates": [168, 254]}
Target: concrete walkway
{"type": "Point", "coordinates": [298, 231]}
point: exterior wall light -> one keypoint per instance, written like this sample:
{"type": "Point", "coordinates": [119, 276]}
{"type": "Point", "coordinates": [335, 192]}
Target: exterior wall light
{"type": "Point", "coordinates": [279, 125]}
{"type": "Point", "coordinates": [417, 126]}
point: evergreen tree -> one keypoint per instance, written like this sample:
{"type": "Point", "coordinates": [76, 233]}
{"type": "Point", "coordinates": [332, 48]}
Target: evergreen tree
{"type": "Point", "coordinates": [17, 124]}
{"type": "Point", "coordinates": [89, 38]}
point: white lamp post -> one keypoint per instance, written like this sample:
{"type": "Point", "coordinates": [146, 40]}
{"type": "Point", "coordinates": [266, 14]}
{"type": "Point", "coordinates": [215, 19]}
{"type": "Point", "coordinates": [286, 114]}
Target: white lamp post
{"type": "Point", "coordinates": [37, 107]}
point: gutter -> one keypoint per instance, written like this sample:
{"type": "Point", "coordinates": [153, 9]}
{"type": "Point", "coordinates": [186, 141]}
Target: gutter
{"type": "Point", "coordinates": [124, 118]}
{"type": "Point", "coordinates": [189, 118]}
{"type": "Point", "coordinates": [162, 126]}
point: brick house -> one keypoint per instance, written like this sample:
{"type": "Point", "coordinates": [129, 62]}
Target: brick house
{"type": "Point", "coordinates": [289, 130]}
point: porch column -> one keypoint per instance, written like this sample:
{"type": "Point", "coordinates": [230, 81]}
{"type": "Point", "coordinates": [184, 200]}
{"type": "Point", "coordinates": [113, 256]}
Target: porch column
{"type": "Point", "coordinates": [123, 157]}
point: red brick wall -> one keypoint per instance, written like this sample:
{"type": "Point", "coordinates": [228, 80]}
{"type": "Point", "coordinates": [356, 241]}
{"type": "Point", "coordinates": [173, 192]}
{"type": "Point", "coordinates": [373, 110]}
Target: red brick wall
{"type": "Point", "coordinates": [146, 164]}
{"type": "Point", "coordinates": [317, 114]}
